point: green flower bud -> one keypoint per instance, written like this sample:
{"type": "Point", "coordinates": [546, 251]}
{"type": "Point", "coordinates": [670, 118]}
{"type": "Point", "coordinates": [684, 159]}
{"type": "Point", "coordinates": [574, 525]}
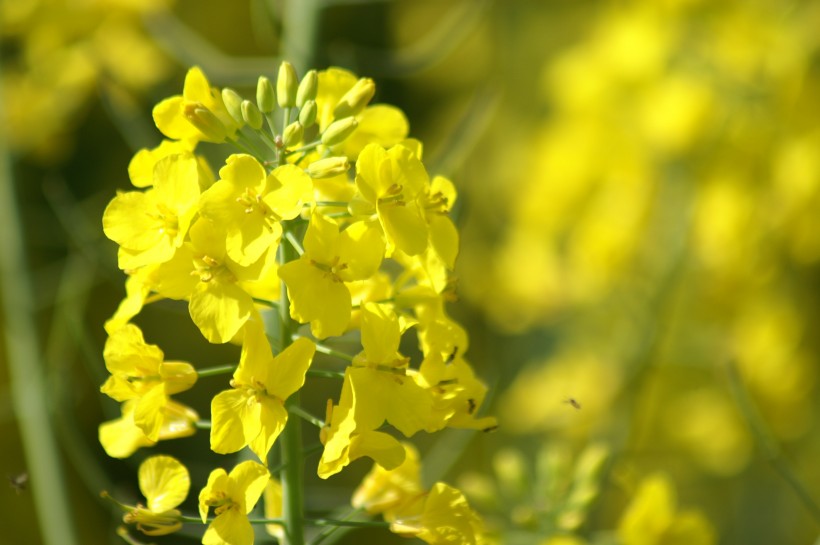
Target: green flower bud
{"type": "Point", "coordinates": [328, 168]}
{"type": "Point", "coordinates": [292, 134]}
{"type": "Point", "coordinates": [265, 96]}
{"type": "Point", "coordinates": [206, 122]}
{"type": "Point", "coordinates": [354, 101]}
{"type": "Point", "coordinates": [338, 131]}
{"type": "Point", "coordinates": [251, 115]}
{"type": "Point", "coordinates": [286, 85]}
{"type": "Point", "coordinates": [307, 88]}
{"type": "Point", "coordinates": [233, 103]}
{"type": "Point", "coordinates": [307, 116]}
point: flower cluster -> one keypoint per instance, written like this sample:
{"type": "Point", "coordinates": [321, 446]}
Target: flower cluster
{"type": "Point", "coordinates": [327, 218]}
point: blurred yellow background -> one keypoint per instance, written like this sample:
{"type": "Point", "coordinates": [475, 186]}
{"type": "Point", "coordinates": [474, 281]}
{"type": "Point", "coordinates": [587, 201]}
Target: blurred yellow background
{"type": "Point", "coordinates": [640, 265]}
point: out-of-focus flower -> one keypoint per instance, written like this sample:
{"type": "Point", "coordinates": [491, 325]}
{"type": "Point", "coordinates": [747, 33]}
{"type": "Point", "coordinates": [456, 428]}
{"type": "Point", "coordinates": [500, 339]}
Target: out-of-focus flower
{"type": "Point", "coordinates": [65, 49]}
{"type": "Point", "coordinates": [653, 518]}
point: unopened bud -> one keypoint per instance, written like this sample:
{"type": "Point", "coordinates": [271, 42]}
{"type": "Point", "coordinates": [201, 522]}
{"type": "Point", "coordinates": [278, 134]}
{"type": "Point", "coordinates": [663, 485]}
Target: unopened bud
{"type": "Point", "coordinates": [265, 96]}
{"type": "Point", "coordinates": [251, 115]}
{"type": "Point", "coordinates": [307, 116]}
{"type": "Point", "coordinates": [233, 103]}
{"type": "Point", "coordinates": [307, 88]}
{"type": "Point", "coordinates": [328, 168]}
{"type": "Point", "coordinates": [286, 85]}
{"type": "Point", "coordinates": [212, 129]}
{"type": "Point", "coordinates": [338, 131]}
{"type": "Point", "coordinates": [354, 101]}
{"type": "Point", "coordinates": [292, 134]}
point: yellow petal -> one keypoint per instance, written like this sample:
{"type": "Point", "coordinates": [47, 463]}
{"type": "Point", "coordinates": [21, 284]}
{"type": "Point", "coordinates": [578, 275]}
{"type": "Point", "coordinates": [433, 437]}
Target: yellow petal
{"type": "Point", "coordinates": [380, 333]}
{"type": "Point", "coordinates": [272, 420]}
{"type": "Point", "coordinates": [164, 482]}
{"type": "Point", "coordinates": [248, 481]}
{"type": "Point", "coordinates": [287, 374]}
{"type": "Point", "coordinates": [234, 420]}
{"type": "Point", "coordinates": [317, 298]}
{"type": "Point", "coordinates": [148, 411]}
{"type": "Point", "coordinates": [229, 528]}
{"type": "Point", "coordinates": [219, 309]}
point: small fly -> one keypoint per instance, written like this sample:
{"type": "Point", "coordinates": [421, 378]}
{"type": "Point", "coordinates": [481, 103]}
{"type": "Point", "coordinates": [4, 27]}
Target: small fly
{"type": "Point", "coordinates": [573, 402]}
{"type": "Point", "coordinates": [19, 482]}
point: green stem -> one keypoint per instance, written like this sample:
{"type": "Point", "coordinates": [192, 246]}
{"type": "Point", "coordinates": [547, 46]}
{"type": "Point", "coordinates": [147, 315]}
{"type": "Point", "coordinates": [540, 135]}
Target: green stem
{"type": "Point", "coordinates": [305, 453]}
{"type": "Point", "coordinates": [767, 443]}
{"type": "Point", "coordinates": [322, 349]}
{"type": "Point", "coordinates": [311, 521]}
{"type": "Point", "coordinates": [304, 415]}
{"type": "Point", "coordinates": [300, 20]}
{"type": "Point", "coordinates": [265, 302]}
{"type": "Point", "coordinates": [291, 238]}
{"type": "Point", "coordinates": [29, 395]}
{"type": "Point", "coordinates": [379, 302]}
{"type": "Point", "coordinates": [325, 373]}
{"type": "Point", "coordinates": [216, 370]}
{"type": "Point", "coordinates": [327, 532]}
{"type": "Point", "coordinates": [306, 147]}
{"type": "Point", "coordinates": [292, 473]}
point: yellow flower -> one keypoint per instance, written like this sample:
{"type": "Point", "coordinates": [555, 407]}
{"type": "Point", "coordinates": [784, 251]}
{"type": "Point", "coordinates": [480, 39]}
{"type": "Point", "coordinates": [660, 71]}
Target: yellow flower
{"type": "Point", "coordinates": [250, 204]}
{"type": "Point", "coordinates": [149, 226]}
{"type": "Point", "coordinates": [139, 372]}
{"type": "Point", "coordinates": [141, 167]}
{"type": "Point", "coordinates": [383, 490]}
{"type": "Point", "coordinates": [345, 442]}
{"type": "Point", "coordinates": [316, 281]}
{"type": "Point", "coordinates": [390, 183]}
{"type": "Point", "coordinates": [197, 96]}
{"type": "Point", "coordinates": [439, 517]}
{"type": "Point", "coordinates": [253, 412]}
{"type": "Point", "coordinates": [121, 437]}
{"type": "Point", "coordinates": [376, 389]}
{"type": "Point", "coordinates": [165, 483]}
{"type": "Point", "coordinates": [652, 518]}
{"type": "Point", "coordinates": [232, 496]}
{"type": "Point", "coordinates": [201, 271]}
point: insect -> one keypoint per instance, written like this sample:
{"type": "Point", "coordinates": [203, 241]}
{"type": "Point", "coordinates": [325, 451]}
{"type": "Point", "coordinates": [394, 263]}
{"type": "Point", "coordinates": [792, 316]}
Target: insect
{"type": "Point", "coordinates": [574, 402]}
{"type": "Point", "coordinates": [19, 482]}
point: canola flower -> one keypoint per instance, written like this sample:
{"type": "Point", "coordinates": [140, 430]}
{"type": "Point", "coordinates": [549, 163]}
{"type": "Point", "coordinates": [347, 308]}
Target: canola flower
{"type": "Point", "coordinates": [325, 221]}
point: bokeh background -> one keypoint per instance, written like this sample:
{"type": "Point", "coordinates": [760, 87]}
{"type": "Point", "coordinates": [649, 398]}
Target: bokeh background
{"type": "Point", "coordinates": [640, 267]}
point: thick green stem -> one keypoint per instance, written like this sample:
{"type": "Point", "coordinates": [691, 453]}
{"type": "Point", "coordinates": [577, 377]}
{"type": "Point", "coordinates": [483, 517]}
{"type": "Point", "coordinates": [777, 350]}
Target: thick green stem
{"type": "Point", "coordinates": [292, 473]}
{"type": "Point", "coordinates": [300, 28]}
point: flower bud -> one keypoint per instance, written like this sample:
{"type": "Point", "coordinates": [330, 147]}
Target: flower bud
{"type": "Point", "coordinates": [233, 103]}
{"type": "Point", "coordinates": [338, 131]}
{"type": "Point", "coordinates": [307, 88]}
{"type": "Point", "coordinates": [265, 96]}
{"type": "Point", "coordinates": [328, 168]}
{"type": "Point", "coordinates": [292, 134]}
{"type": "Point", "coordinates": [286, 85]}
{"type": "Point", "coordinates": [354, 101]}
{"type": "Point", "coordinates": [251, 115]}
{"type": "Point", "coordinates": [206, 122]}
{"type": "Point", "coordinates": [307, 116]}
